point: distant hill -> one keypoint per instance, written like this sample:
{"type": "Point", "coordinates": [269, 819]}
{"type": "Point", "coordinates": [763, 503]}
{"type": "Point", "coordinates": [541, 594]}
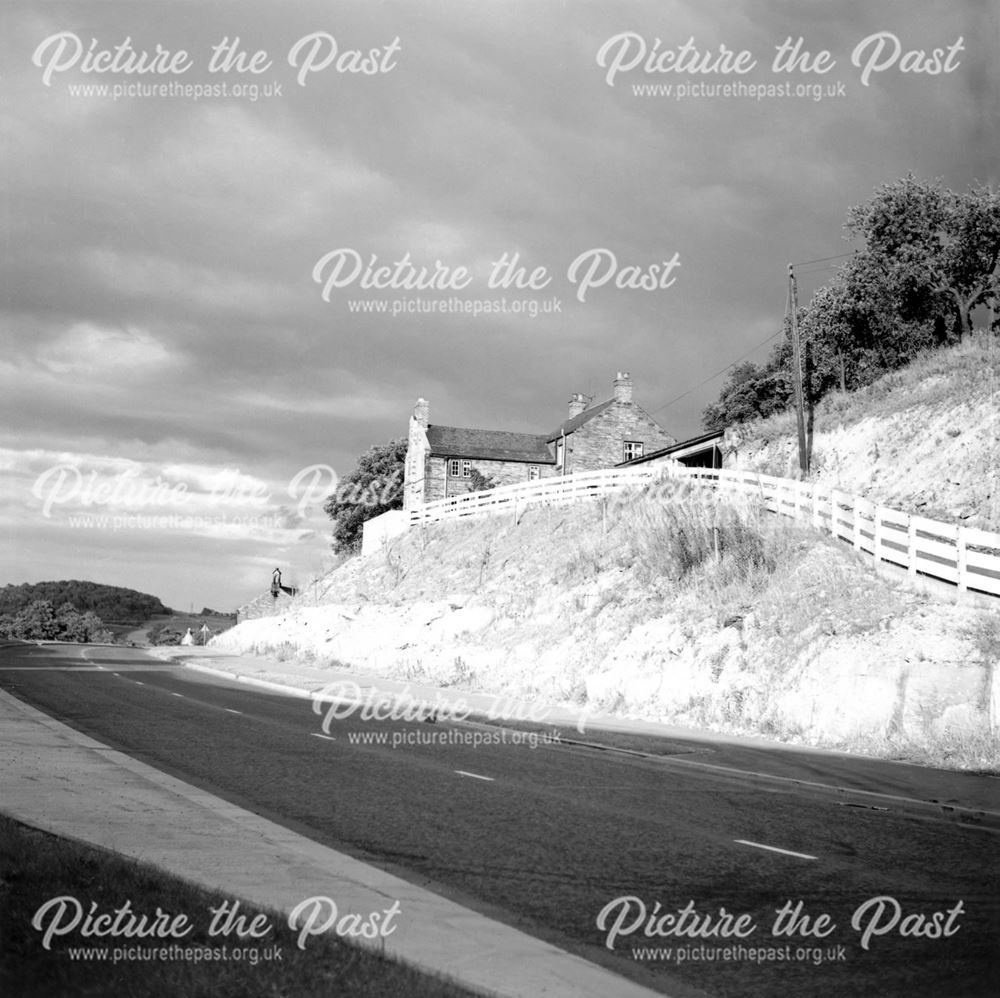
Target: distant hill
{"type": "Point", "coordinates": [111, 603]}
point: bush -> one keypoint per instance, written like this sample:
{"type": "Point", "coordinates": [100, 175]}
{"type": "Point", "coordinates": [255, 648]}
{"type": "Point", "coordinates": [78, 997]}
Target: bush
{"type": "Point", "coordinates": [39, 621]}
{"type": "Point", "coordinates": [481, 482]}
{"type": "Point", "coordinates": [671, 539]}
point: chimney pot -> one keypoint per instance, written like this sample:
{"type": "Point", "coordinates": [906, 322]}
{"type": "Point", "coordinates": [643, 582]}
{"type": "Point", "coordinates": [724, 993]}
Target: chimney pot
{"type": "Point", "coordinates": [422, 412]}
{"type": "Point", "coordinates": [577, 403]}
{"type": "Point", "coordinates": [623, 387]}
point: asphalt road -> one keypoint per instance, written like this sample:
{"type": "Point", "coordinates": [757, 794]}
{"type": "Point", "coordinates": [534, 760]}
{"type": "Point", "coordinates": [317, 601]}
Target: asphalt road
{"type": "Point", "coordinates": [547, 838]}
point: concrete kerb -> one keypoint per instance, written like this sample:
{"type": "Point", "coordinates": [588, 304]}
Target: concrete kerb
{"type": "Point", "coordinates": [390, 699]}
{"type": "Point", "coordinates": [555, 717]}
{"type": "Point", "coordinates": [294, 691]}
{"type": "Point", "coordinates": [69, 784]}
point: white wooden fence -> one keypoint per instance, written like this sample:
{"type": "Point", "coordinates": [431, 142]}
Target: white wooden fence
{"type": "Point", "coordinates": [552, 491]}
{"type": "Point", "coordinates": [964, 556]}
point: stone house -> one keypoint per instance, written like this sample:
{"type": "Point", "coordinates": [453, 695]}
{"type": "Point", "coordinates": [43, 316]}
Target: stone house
{"type": "Point", "coordinates": [440, 460]}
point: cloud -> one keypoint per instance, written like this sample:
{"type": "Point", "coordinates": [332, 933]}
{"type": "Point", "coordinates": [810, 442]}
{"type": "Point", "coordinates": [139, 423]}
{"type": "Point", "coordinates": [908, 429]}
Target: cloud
{"type": "Point", "coordinates": [160, 306]}
{"type": "Point", "coordinates": [87, 351]}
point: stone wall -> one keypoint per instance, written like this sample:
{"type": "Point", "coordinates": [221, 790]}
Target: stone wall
{"type": "Point", "coordinates": [381, 529]}
{"type": "Point", "coordinates": [599, 442]}
{"type": "Point", "coordinates": [440, 483]}
{"type": "Point", "coordinates": [415, 469]}
{"type": "Point", "coordinates": [264, 605]}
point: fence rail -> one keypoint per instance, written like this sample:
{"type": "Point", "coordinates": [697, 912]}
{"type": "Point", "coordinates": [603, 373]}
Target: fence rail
{"type": "Point", "coordinates": [566, 489]}
{"type": "Point", "coordinates": [963, 556]}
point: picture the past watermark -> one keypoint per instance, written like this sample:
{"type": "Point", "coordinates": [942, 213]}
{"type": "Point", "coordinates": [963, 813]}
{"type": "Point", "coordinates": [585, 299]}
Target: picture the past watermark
{"type": "Point", "coordinates": [793, 932]}
{"type": "Point", "coordinates": [128, 934]}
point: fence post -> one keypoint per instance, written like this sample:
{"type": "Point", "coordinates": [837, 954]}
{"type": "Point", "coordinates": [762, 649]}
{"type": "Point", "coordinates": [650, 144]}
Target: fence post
{"type": "Point", "coordinates": [833, 512]}
{"type": "Point", "coordinates": [877, 534]}
{"type": "Point", "coordinates": [857, 523]}
{"type": "Point", "coordinates": [962, 561]}
{"type": "Point", "coordinates": [815, 505]}
{"type": "Point", "coordinates": [911, 547]}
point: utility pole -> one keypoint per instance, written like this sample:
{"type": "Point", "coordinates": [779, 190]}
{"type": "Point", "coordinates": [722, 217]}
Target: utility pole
{"type": "Point", "coordinates": [797, 371]}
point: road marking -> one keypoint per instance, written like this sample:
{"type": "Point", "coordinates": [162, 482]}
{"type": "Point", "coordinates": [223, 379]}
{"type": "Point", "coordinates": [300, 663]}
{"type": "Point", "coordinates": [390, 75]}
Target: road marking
{"type": "Point", "coordinates": [181, 695]}
{"type": "Point", "coordinates": [137, 683]}
{"type": "Point", "coordinates": [101, 667]}
{"type": "Point", "coordinates": [674, 760]}
{"type": "Point", "coordinates": [784, 852]}
{"type": "Point", "coordinates": [475, 776]}
{"type": "Point", "coordinates": [231, 711]}
{"type": "Point", "coordinates": [316, 734]}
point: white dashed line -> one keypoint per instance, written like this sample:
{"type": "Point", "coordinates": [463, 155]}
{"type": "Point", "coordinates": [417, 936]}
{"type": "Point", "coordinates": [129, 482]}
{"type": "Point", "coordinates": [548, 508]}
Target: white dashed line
{"type": "Point", "coordinates": [784, 852]}
{"type": "Point", "coordinates": [181, 695]}
{"type": "Point", "coordinates": [137, 683]}
{"type": "Point", "coordinates": [231, 711]}
{"type": "Point", "coordinates": [316, 734]}
{"type": "Point", "coordinates": [475, 776]}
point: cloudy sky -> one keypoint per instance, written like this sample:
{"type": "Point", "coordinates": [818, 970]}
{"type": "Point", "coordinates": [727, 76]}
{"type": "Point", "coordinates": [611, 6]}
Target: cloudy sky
{"type": "Point", "coordinates": [191, 349]}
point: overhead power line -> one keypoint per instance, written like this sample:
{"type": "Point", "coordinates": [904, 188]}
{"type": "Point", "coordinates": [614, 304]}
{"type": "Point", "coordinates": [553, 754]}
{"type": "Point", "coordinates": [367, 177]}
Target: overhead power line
{"type": "Point", "coordinates": [781, 332]}
{"type": "Point", "coordinates": [823, 259]}
{"type": "Point", "coordinates": [701, 384]}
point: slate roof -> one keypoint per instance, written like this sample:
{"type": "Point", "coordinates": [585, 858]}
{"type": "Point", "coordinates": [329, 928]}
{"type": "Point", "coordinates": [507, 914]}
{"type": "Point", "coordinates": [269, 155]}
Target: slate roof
{"type": "Point", "coordinates": [489, 445]}
{"type": "Point", "coordinates": [577, 421]}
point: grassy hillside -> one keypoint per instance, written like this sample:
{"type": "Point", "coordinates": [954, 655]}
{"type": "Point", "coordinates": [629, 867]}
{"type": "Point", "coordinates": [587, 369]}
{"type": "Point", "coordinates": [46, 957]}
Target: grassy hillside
{"type": "Point", "coordinates": [924, 439]}
{"type": "Point", "coordinates": [697, 609]}
{"type": "Point", "coordinates": [169, 626]}
{"type": "Point", "coordinates": [627, 609]}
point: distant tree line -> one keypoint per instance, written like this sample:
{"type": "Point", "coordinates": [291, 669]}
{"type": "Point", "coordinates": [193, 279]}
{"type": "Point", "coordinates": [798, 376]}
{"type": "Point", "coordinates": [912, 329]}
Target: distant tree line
{"type": "Point", "coordinates": [111, 603]}
{"type": "Point", "coordinates": [930, 258]}
{"type": "Point", "coordinates": [41, 621]}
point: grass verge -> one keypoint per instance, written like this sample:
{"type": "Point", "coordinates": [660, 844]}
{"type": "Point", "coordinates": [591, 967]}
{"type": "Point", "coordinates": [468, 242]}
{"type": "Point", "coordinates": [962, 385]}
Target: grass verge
{"type": "Point", "coordinates": [36, 867]}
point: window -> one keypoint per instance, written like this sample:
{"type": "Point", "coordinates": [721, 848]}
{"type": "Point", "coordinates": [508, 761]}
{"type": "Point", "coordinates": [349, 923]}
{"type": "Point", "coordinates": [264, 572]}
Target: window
{"type": "Point", "coordinates": [533, 473]}
{"type": "Point", "coordinates": [453, 468]}
{"type": "Point", "coordinates": [559, 454]}
{"type": "Point", "coordinates": [466, 469]}
{"type": "Point", "coordinates": [633, 449]}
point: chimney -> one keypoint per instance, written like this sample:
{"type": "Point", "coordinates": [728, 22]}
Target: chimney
{"type": "Point", "coordinates": [577, 403]}
{"type": "Point", "coordinates": [623, 387]}
{"type": "Point", "coordinates": [422, 412]}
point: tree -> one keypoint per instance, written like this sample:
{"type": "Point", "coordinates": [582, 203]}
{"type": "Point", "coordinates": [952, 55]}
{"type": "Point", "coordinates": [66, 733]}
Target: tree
{"type": "Point", "coordinates": [481, 482]}
{"type": "Point", "coordinates": [939, 249]}
{"type": "Point", "coordinates": [860, 325]}
{"type": "Point", "coordinates": [372, 488]}
{"type": "Point", "coordinates": [108, 602]}
{"type": "Point", "coordinates": [93, 629]}
{"type": "Point", "coordinates": [72, 626]}
{"type": "Point", "coordinates": [930, 258]}
{"type": "Point", "coordinates": [37, 622]}
{"type": "Point", "coordinates": [752, 392]}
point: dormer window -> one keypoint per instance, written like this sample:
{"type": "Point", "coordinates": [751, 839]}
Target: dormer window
{"type": "Point", "coordinates": [632, 449]}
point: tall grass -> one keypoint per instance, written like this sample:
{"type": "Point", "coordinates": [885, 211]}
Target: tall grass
{"type": "Point", "coordinates": [705, 533]}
